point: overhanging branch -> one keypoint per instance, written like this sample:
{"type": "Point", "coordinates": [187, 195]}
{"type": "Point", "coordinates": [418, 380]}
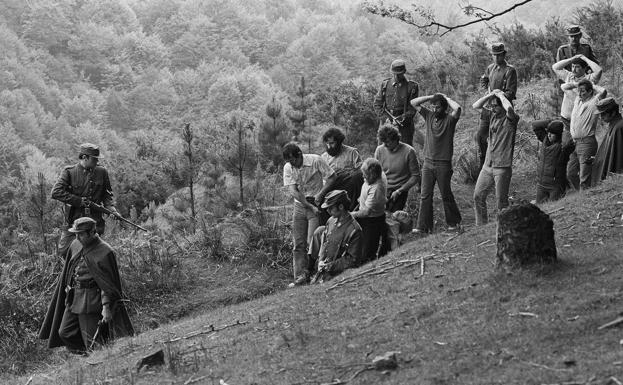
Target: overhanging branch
{"type": "Point", "coordinates": [429, 21]}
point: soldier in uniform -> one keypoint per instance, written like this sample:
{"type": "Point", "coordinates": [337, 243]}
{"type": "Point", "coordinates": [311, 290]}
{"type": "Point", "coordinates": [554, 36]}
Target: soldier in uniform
{"type": "Point", "coordinates": [567, 51]}
{"type": "Point", "coordinates": [336, 246]}
{"type": "Point", "coordinates": [391, 102]}
{"type": "Point", "coordinates": [77, 187]}
{"type": "Point", "coordinates": [499, 75]}
{"type": "Point", "coordinates": [87, 306]}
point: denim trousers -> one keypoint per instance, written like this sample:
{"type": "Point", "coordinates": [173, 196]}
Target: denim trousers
{"type": "Point", "coordinates": [440, 173]}
{"type": "Point", "coordinates": [580, 164]}
{"type": "Point", "coordinates": [488, 179]}
{"type": "Point", "coordinates": [304, 222]}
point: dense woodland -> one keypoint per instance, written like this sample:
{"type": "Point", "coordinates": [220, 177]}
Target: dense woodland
{"type": "Point", "coordinates": [199, 96]}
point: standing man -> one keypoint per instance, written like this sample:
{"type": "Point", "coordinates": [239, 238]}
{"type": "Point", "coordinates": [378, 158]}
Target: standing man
{"type": "Point", "coordinates": [499, 75]}
{"type": "Point", "coordinates": [391, 103]}
{"type": "Point", "coordinates": [583, 125]}
{"type": "Point", "coordinates": [87, 306]}
{"type": "Point", "coordinates": [438, 150]}
{"type": "Point", "coordinates": [400, 164]}
{"type": "Point", "coordinates": [308, 179]}
{"type": "Point", "coordinates": [77, 187]}
{"type": "Point", "coordinates": [567, 51]}
{"type": "Point", "coordinates": [345, 161]}
{"type": "Point", "coordinates": [497, 169]}
{"type": "Point", "coordinates": [609, 158]}
{"type": "Point", "coordinates": [579, 65]}
{"type": "Point", "coordinates": [336, 246]}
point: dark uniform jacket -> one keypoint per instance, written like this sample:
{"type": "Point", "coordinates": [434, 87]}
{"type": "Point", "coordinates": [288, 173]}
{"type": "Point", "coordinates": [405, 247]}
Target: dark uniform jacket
{"type": "Point", "coordinates": [609, 157]}
{"type": "Point", "coordinates": [341, 244]}
{"type": "Point", "coordinates": [102, 264]}
{"type": "Point", "coordinates": [502, 77]}
{"type": "Point", "coordinates": [76, 182]}
{"type": "Point", "coordinates": [396, 98]}
{"type": "Point", "coordinates": [553, 158]}
{"type": "Point", "coordinates": [568, 51]}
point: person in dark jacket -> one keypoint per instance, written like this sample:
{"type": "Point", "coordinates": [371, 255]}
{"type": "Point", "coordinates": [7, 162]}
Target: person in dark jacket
{"type": "Point", "coordinates": [609, 157]}
{"type": "Point", "coordinates": [553, 158]}
{"type": "Point", "coordinates": [87, 306]}
{"type": "Point", "coordinates": [78, 186]}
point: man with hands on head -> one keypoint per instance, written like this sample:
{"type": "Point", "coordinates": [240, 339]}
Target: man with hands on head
{"type": "Point", "coordinates": [440, 122]}
{"type": "Point", "coordinates": [496, 171]}
{"type": "Point", "coordinates": [308, 178]}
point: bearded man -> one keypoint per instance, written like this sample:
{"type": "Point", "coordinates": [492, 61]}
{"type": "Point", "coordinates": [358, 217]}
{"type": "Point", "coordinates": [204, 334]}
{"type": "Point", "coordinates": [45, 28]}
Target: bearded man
{"type": "Point", "coordinates": [440, 122]}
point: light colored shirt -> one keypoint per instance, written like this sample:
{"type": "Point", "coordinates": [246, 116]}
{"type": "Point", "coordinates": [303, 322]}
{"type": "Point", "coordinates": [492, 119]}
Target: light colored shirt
{"type": "Point", "coordinates": [583, 117]}
{"type": "Point", "coordinates": [347, 159]}
{"type": "Point", "coordinates": [372, 199]}
{"type": "Point", "coordinates": [309, 177]}
{"type": "Point", "coordinates": [569, 95]}
{"type": "Point", "coordinates": [399, 165]}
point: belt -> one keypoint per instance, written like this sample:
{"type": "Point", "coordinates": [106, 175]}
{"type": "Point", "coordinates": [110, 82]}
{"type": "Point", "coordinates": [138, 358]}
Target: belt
{"type": "Point", "coordinates": [90, 284]}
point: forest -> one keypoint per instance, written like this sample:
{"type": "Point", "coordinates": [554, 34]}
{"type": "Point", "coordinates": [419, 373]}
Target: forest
{"type": "Point", "coordinates": [191, 101]}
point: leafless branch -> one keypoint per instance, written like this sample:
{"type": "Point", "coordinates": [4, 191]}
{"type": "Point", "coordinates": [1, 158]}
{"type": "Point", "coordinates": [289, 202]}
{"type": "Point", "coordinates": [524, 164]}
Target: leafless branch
{"type": "Point", "coordinates": [429, 21]}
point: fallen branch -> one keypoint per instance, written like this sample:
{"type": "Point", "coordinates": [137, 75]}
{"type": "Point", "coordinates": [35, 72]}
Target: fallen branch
{"type": "Point", "coordinates": [611, 323]}
{"type": "Point", "coordinates": [544, 366]}
{"type": "Point", "coordinates": [211, 329]}
{"type": "Point", "coordinates": [193, 380]}
{"type": "Point", "coordinates": [483, 242]}
{"type": "Point", "coordinates": [555, 210]}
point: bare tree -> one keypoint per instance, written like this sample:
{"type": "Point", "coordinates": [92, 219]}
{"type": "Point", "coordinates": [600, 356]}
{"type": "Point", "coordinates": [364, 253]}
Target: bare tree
{"type": "Point", "coordinates": [423, 18]}
{"type": "Point", "coordinates": [187, 135]}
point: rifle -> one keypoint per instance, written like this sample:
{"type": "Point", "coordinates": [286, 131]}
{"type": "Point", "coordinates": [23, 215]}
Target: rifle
{"type": "Point", "coordinates": [321, 274]}
{"type": "Point", "coordinates": [114, 214]}
{"type": "Point", "coordinates": [395, 121]}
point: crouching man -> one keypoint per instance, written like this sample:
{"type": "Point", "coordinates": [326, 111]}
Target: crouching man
{"type": "Point", "coordinates": [87, 306]}
{"type": "Point", "coordinates": [336, 246]}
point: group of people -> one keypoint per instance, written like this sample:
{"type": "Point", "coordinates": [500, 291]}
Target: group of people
{"type": "Point", "coordinates": [341, 201]}
{"type": "Point", "coordinates": [356, 230]}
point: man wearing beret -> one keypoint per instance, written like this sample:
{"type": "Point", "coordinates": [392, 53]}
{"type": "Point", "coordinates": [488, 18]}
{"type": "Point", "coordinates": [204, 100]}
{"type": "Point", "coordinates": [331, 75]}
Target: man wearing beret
{"type": "Point", "coordinates": [392, 100]}
{"type": "Point", "coordinates": [87, 306]}
{"type": "Point", "coordinates": [78, 186]}
{"type": "Point", "coordinates": [609, 158]}
{"type": "Point", "coordinates": [553, 158]}
{"type": "Point", "coordinates": [499, 75]}
{"type": "Point", "coordinates": [574, 47]}
{"type": "Point", "coordinates": [336, 246]}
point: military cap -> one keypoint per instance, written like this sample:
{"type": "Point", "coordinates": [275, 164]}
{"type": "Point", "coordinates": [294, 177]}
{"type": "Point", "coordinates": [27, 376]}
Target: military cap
{"type": "Point", "coordinates": [555, 127]}
{"type": "Point", "coordinates": [573, 30]}
{"type": "Point", "coordinates": [334, 197]}
{"type": "Point", "coordinates": [398, 66]}
{"type": "Point", "coordinates": [90, 150]}
{"type": "Point", "coordinates": [82, 224]}
{"type": "Point", "coordinates": [606, 105]}
{"type": "Point", "coordinates": [497, 48]}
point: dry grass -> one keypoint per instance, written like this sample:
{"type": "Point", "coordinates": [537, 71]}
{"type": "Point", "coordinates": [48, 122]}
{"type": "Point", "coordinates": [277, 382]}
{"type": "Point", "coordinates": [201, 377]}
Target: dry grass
{"type": "Point", "coordinates": [463, 322]}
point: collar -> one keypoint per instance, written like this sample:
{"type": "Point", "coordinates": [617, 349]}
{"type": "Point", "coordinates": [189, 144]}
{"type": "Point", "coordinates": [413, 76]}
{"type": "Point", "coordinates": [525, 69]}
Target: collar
{"type": "Point", "coordinates": [503, 65]}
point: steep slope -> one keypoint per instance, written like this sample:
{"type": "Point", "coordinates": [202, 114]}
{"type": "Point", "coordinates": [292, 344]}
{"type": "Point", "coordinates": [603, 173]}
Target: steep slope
{"type": "Point", "coordinates": [463, 321]}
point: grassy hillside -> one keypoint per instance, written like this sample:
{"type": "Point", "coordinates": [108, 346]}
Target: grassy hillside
{"type": "Point", "coordinates": [456, 319]}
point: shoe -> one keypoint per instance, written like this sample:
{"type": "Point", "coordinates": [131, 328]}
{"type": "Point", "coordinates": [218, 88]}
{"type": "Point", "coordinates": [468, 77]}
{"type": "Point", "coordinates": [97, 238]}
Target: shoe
{"type": "Point", "coordinates": [419, 232]}
{"type": "Point", "coordinates": [299, 281]}
{"type": "Point", "coordinates": [454, 229]}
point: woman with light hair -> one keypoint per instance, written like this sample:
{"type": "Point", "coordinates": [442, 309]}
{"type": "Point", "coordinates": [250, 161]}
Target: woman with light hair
{"type": "Point", "coordinates": [371, 211]}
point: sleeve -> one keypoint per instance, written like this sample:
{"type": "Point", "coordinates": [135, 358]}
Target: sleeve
{"type": "Point", "coordinates": [591, 54]}
{"type": "Point", "coordinates": [375, 200]}
{"type": "Point", "coordinates": [413, 93]}
{"type": "Point", "coordinates": [424, 112]}
{"type": "Point", "coordinates": [109, 198]}
{"type": "Point", "coordinates": [357, 161]}
{"type": "Point", "coordinates": [560, 54]}
{"type": "Point", "coordinates": [323, 168]}
{"type": "Point", "coordinates": [350, 256]}
{"type": "Point", "coordinates": [379, 100]}
{"type": "Point", "coordinates": [562, 74]}
{"type": "Point", "coordinates": [288, 177]}
{"type": "Point", "coordinates": [594, 78]}
{"type": "Point", "coordinates": [377, 153]}
{"type": "Point", "coordinates": [61, 190]}
{"type": "Point", "coordinates": [414, 165]}
{"type": "Point", "coordinates": [510, 87]}
{"type": "Point", "coordinates": [539, 129]}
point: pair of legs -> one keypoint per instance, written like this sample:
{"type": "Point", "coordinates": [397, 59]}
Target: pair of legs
{"type": "Point", "coordinates": [440, 173]}
{"type": "Point", "coordinates": [371, 232]}
{"type": "Point", "coordinates": [490, 178]}
{"type": "Point", "coordinates": [77, 331]}
{"type": "Point", "coordinates": [391, 206]}
{"type": "Point", "coordinates": [304, 223]}
{"type": "Point", "coordinates": [482, 134]}
{"type": "Point", "coordinates": [545, 194]}
{"type": "Point", "coordinates": [580, 164]}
